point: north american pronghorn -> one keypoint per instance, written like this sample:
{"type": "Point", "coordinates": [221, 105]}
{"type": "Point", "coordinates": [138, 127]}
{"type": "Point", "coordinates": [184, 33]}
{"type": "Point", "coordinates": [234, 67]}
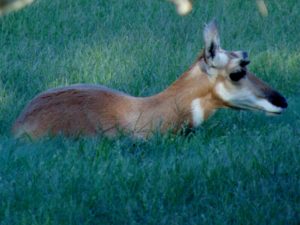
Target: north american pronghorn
{"type": "Point", "coordinates": [217, 79]}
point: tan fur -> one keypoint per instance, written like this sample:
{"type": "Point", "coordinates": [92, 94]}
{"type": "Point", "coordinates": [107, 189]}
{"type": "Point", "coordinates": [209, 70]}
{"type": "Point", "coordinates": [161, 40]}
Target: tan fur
{"type": "Point", "coordinates": [88, 109]}
{"type": "Point", "coordinates": [91, 109]}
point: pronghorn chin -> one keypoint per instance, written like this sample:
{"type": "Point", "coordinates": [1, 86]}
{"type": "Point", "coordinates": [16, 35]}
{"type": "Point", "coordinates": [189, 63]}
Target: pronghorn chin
{"type": "Point", "coordinates": [217, 79]}
{"type": "Point", "coordinates": [247, 100]}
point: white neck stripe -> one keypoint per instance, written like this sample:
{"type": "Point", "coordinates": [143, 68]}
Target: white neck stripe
{"type": "Point", "coordinates": [197, 112]}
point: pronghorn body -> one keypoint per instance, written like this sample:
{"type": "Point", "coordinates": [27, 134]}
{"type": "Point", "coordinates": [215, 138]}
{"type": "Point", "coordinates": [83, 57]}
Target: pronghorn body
{"type": "Point", "coordinates": [217, 79]}
{"type": "Point", "coordinates": [90, 109]}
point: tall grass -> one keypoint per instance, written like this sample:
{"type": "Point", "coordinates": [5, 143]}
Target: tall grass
{"type": "Point", "coordinates": [238, 168]}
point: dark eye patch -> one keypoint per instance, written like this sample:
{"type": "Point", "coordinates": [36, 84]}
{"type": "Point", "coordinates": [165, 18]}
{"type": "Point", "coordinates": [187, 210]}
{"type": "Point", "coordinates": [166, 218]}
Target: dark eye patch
{"type": "Point", "coordinates": [236, 76]}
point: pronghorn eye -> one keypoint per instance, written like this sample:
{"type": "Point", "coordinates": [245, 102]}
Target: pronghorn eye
{"type": "Point", "coordinates": [236, 76]}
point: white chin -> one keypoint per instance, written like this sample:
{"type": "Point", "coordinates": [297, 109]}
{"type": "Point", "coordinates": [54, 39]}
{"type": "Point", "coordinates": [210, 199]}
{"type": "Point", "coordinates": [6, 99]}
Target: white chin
{"type": "Point", "coordinates": [268, 107]}
{"type": "Point", "coordinates": [273, 113]}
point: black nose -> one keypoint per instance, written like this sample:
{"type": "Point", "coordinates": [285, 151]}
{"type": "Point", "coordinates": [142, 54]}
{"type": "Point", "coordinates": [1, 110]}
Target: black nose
{"type": "Point", "coordinates": [277, 99]}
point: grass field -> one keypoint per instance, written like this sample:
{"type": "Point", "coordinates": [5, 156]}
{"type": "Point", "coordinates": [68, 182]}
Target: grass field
{"type": "Point", "coordinates": [238, 168]}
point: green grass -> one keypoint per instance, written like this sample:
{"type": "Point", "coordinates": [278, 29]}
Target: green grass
{"type": "Point", "coordinates": [238, 168]}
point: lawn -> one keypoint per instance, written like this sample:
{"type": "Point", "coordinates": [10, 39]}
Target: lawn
{"type": "Point", "coordinates": [238, 168]}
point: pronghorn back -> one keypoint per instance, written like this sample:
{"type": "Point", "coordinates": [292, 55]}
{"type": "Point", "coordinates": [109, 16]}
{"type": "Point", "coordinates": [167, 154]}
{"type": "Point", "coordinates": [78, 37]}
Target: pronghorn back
{"type": "Point", "coordinates": [73, 110]}
{"type": "Point", "coordinates": [218, 79]}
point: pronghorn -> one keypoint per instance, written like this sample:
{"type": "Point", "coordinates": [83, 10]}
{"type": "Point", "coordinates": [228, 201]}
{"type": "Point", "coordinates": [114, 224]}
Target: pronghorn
{"type": "Point", "coordinates": [217, 79]}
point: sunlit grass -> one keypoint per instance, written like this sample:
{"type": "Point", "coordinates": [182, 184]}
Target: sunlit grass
{"type": "Point", "coordinates": [238, 168]}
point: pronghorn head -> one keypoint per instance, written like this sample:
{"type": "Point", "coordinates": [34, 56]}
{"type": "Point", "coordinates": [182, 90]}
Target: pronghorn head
{"type": "Point", "coordinates": [231, 80]}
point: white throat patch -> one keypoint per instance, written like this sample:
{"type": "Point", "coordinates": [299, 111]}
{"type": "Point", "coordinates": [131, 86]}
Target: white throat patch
{"type": "Point", "coordinates": [223, 92]}
{"type": "Point", "coordinates": [197, 112]}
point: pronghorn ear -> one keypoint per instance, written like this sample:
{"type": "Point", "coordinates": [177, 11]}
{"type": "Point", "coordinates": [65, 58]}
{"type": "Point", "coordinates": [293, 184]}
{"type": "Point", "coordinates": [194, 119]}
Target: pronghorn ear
{"type": "Point", "coordinates": [211, 39]}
